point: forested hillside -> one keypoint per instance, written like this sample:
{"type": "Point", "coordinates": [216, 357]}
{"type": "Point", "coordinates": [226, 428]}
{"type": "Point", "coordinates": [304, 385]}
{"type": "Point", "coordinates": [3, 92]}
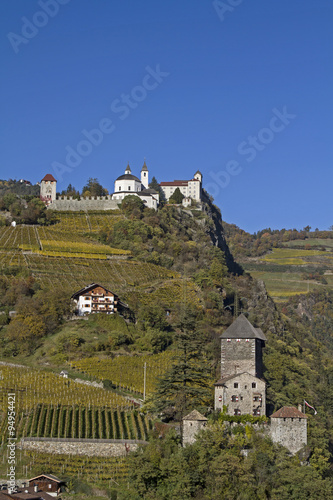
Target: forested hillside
{"type": "Point", "coordinates": [183, 286]}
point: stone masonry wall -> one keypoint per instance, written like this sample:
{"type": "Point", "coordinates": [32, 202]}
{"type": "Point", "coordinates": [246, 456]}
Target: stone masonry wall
{"type": "Point", "coordinates": [190, 429]}
{"type": "Point", "coordinates": [67, 203]}
{"type": "Point", "coordinates": [88, 447]}
{"type": "Point", "coordinates": [244, 393]}
{"type": "Point", "coordinates": [290, 432]}
{"type": "Point", "coordinates": [238, 355]}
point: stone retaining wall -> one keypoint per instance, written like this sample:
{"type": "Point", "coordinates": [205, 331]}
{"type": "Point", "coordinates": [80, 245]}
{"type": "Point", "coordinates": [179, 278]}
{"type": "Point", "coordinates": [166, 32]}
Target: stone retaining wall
{"type": "Point", "coordinates": [88, 447]}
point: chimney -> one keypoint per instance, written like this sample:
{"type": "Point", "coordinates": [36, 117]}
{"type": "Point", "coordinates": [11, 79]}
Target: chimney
{"type": "Point", "coordinates": [299, 407]}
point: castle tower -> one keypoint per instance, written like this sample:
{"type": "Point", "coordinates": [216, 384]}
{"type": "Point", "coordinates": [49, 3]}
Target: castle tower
{"type": "Point", "coordinates": [241, 388]}
{"type": "Point", "coordinates": [48, 189]}
{"type": "Point", "coordinates": [241, 348]}
{"type": "Point", "coordinates": [144, 175]}
{"type": "Point", "coordinates": [289, 428]}
{"type": "Point", "coordinates": [192, 424]}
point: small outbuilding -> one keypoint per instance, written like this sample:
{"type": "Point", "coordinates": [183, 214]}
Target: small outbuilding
{"type": "Point", "coordinates": [48, 483]}
{"type": "Point", "coordinates": [192, 424]}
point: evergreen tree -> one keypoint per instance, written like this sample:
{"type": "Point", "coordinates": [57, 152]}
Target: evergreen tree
{"type": "Point", "coordinates": [188, 383]}
{"type": "Point", "coordinates": [155, 185]}
{"type": "Point", "coordinates": [94, 188]}
{"type": "Point", "coordinates": [177, 197]}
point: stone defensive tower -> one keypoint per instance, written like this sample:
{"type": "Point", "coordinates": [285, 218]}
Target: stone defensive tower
{"type": "Point", "coordinates": [289, 428]}
{"type": "Point", "coordinates": [241, 349]}
{"type": "Point", "coordinates": [241, 388]}
{"type": "Point", "coordinates": [192, 424]}
{"type": "Point", "coordinates": [48, 189]}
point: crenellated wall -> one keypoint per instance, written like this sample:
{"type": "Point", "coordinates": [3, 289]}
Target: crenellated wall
{"type": "Point", "coordinates": [68, 203]}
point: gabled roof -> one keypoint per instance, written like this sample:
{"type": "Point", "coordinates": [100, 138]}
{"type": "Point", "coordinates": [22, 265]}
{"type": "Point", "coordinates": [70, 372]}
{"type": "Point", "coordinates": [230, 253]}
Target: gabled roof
{"type": "Point", "coordinates": [241, 328]}
{"type": "Point", "coordinates": [48, 177]}
{"type": "Point", "coordinates": [174, 183]}
{"type": "Point", "coordinates": [88, 288]}
{"type": "Point", "coordinates": [48, 476]}
{"type": "Point", "coordinates": [178, 182]}
{"type": "Point", "coordinates": [223, 380]}
{"type": "Point", "coordinates": [288, 412]}
{"type": "Point", "coordinates": [195, 415]}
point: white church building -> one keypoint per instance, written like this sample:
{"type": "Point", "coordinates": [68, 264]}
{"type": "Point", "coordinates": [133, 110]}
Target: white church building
{"type": "Point", "coordinates": [128, 184]}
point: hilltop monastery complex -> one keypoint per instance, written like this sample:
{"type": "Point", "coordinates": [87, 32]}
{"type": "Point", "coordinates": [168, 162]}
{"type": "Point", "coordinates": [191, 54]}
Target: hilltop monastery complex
{"type": "Point", "coordinates": [124, 185]}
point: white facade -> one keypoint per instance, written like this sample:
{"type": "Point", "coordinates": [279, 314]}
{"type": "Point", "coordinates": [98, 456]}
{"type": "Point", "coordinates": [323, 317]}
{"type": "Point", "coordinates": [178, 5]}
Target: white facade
{"type": "Point", "coordinates": [129, 184]}
{"type": "Point", "coordinates": [145, 176]}
{"type": "Point", "coordinates": [95, 299]}
{"type": "Point", "coordinates": [189, 189]}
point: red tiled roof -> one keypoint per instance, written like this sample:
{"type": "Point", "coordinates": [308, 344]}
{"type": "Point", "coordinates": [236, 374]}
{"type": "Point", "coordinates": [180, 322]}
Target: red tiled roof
{"type": "Point", "coordinates": [178, 182]}
{"type": "Point", "coordinates": [288, 412]}
{"type": "Point", "coordinates": [174, 183]}
{"type": "Point", "coordinates": [49, 177]}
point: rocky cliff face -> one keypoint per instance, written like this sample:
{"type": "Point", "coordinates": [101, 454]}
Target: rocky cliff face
{"type": "Point", "coordinates": [217, 235]}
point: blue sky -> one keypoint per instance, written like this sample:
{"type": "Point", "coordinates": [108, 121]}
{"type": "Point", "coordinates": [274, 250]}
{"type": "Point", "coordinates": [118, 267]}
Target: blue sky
{"type": "Point", "coordinates": [239, 89]}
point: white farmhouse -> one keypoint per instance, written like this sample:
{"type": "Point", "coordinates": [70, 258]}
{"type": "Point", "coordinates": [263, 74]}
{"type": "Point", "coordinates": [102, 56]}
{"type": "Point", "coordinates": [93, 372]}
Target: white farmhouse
{"type": "Point", "coordinates": [95, 298]}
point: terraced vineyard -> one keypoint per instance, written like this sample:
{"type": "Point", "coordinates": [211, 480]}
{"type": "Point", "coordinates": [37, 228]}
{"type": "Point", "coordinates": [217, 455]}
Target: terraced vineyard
{"type": "Point", "coordinates": [287, 271]}
{"type": "Point", "coordinates": [101, 471]}
{"type": "Point", "coordinates": [80, 422]}
{"type": "Point", "coordinates": [63, 256]}
{"type": "Point", "coordinates": [36, 386]}
{"type": "Point", "coordinates": [127, 371]}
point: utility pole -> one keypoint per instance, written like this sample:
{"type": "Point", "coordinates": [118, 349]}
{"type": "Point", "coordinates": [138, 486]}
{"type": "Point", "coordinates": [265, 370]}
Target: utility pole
{"type": "Point", "coordinates": [144, 380]}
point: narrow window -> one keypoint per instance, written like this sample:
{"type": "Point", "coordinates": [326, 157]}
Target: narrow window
{"type": "Point", "coordinates": [254, 385]}
{"type": "Point", "coordinates": [236, 385]}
